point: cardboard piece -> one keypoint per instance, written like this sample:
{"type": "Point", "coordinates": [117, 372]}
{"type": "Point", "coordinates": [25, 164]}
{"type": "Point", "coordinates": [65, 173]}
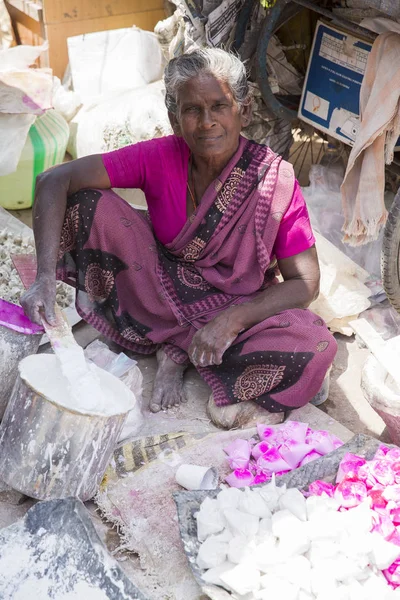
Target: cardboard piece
{"type": "Point", "coordinates": [331, 93]}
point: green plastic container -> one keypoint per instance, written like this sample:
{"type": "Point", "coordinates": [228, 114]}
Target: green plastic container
{"type": "Point", "coordinates": [45, 146]}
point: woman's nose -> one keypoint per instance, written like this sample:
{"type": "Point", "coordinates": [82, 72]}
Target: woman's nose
{"type": "Point", "coordinates": [207, 119]}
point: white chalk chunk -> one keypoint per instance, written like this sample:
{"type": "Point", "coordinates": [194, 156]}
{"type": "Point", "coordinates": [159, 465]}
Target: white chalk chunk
{"type": "Point", "coordinates": [209, 519]}
{"type": "Point", "coordinates": [212, 553]}
{"type": "Point", "coordinates": [243, 579]}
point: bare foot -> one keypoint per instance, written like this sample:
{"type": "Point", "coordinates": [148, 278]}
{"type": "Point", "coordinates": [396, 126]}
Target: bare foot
{"type": "Point", "coordinates": [168, 384]}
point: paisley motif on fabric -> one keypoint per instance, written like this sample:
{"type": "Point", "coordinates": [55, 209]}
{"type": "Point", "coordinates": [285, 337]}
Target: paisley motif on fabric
{"type": "Point", "coordinates": [132, 335]}
{"type": "Point", "coordinates": [126, 222]}
{"type": "Point", "coordinates": [191, 278]}
{"type": "Point", "coordinates": [257, 380]}
{"type": "Point", "coordinates": [318, 323]}
{"type": "Point", "coordinates": [322, 346]}
{"type": "Point", "coordinates": [229, 189]}
{"type": "Point", "coordinates": [192, 251]}
{"type": "Point", "coordinates": [69, 230]}
{"type": "Point", "coordinates": [98, 282]}
{"type": "Point", "coordinates": [277, 216]}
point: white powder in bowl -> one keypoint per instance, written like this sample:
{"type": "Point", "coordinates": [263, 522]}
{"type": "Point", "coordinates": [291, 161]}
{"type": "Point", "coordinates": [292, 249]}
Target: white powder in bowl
{"type": "Point", "coordinates": [43, 373]}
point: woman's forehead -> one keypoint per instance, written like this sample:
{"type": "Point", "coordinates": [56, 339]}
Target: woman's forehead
{"type": "Point", "coordinates": [204, 87]}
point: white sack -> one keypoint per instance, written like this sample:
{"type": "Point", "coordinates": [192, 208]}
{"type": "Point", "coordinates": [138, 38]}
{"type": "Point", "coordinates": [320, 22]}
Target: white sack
{"type": "Point", "coordinates": [120, 119]}
{"type": "Point", "coordinates": [13, 133]}
{"type": "Point", "coordinates": [113, 61]}
{"type": "Point", "coordinates": [24, 93]}
{"type": "Point", "coordinates": [343, 295]}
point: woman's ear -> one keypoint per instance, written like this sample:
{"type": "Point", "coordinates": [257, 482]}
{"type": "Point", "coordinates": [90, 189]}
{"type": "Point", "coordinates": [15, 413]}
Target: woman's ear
{"type": "Point", "coordinates": [174, 124]}
{"type": "Point", "coordinates": [247, 112]}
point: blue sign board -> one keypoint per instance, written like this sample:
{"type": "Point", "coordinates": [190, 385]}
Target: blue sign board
{"type": "Point", "coordinates": [330, 98]}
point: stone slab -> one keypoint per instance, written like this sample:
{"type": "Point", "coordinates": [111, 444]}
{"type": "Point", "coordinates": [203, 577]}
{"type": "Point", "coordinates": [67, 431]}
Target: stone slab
{"type": "Point", "coordinates": [55, 551]}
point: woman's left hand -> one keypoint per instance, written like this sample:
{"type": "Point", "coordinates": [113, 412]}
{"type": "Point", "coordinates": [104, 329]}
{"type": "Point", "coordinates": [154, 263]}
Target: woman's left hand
{"type": "Point", "coordinates": [212, 340]}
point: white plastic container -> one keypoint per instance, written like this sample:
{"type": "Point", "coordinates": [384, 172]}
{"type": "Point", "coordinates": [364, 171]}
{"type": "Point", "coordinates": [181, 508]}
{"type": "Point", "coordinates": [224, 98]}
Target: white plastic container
{"type": "Point", "coordinates": [49, 451]}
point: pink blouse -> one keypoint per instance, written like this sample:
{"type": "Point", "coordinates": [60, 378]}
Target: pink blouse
{"type": "Point", "coordinates": [159, 167]}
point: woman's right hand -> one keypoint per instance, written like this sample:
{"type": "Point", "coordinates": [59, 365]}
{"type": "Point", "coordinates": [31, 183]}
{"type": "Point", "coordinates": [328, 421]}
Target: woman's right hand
{"type": "Point", "coordinates": [39, 301]}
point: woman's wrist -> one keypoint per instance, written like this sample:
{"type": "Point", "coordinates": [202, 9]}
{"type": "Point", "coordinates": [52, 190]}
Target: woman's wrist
{"type": "Point", "coordinates": [45, 275]}
{"type": "Point", "coordinates": [240, 317]}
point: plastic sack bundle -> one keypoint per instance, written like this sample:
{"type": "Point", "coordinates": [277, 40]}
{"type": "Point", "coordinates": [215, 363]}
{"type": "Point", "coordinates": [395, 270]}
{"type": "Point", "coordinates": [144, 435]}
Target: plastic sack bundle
{"type": "Point", "coordinates": [119, 119]}
{"type": "Point", "coordinates": [343, 294]}
{"type": "Point", "coordinates": [24, 94]}
{"type": "Point", "coordinates": [327, 217]}
{"type": "Point", "coordinates": [128, 372]}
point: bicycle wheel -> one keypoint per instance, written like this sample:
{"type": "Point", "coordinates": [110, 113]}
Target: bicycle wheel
{"type": "Point", "coordinates": [293, 26]}
{"type": "Point", "coordinates": [308, 148]}
{"type": "Point", "coordinates": [390, 254]}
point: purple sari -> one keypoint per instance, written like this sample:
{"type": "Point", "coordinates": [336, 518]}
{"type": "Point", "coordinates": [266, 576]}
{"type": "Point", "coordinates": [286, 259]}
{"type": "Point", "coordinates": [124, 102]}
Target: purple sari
{"type": "Point", "coordinates": [142, 294]}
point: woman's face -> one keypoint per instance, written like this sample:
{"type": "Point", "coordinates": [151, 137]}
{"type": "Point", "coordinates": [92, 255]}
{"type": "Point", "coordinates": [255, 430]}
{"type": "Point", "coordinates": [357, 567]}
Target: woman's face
{"type": "Point", "coordinates": [208, 118]}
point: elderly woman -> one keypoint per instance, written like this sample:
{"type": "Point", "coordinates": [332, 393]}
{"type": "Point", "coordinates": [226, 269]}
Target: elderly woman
{"type": "Point", "coordinates": [196, 281]}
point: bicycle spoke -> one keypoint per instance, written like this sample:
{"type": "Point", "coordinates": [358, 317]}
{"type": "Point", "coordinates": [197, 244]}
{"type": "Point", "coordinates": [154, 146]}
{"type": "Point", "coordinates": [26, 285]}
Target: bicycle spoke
{"type": "Point", "coordinates": [304, 158]}
{"type": "Point", "coordinates": [312, 154]}
{"type": "Point", "coordinates": [294, 72]}
{"type": "Point", "coordinates": [297, 150]}
{"type": "Point", "coordinates": [299, 155]}
{"type": "Point", "coordinates": [289, 25]}
{"type": "Point", "coordinates": [321, 150]}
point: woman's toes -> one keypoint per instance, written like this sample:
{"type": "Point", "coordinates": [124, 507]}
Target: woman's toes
{"type": "Point", "coordinates": [154, 407]}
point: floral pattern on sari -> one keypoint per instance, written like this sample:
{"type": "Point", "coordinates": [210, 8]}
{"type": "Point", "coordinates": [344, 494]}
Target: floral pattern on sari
{"type": "Point", "coordinates": [228, 191]}
{"type": "Point", "coordinates": [69, 230]}
{"type": "Point", "coordinates": [257, 380]}
{"type": "Point", "coordinates": [98, 282]}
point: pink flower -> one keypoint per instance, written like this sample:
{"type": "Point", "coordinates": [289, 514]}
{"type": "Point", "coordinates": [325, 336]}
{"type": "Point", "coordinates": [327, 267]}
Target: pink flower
{"type": "Point", "coordinates": [260, 448]}
{"type": "Point", "coordinates": [238, 454]}
{"type": "Point", "coordinates": [240, 478]}
{"type": "Point", "coordinates": [310, 457]}
{"type": "Point", "coordinates": [293, 452]}
{"type": "Point", "coordinates": [272, 461]}
{"type": "Point", "coordinates": [350, 493]}
{"type": "Point", "coordinates": [317, 488]}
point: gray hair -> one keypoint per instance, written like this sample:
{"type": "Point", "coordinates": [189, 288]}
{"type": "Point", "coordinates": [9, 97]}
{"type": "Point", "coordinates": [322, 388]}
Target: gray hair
{"type": "Point", "coordinates": [213, 61]}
